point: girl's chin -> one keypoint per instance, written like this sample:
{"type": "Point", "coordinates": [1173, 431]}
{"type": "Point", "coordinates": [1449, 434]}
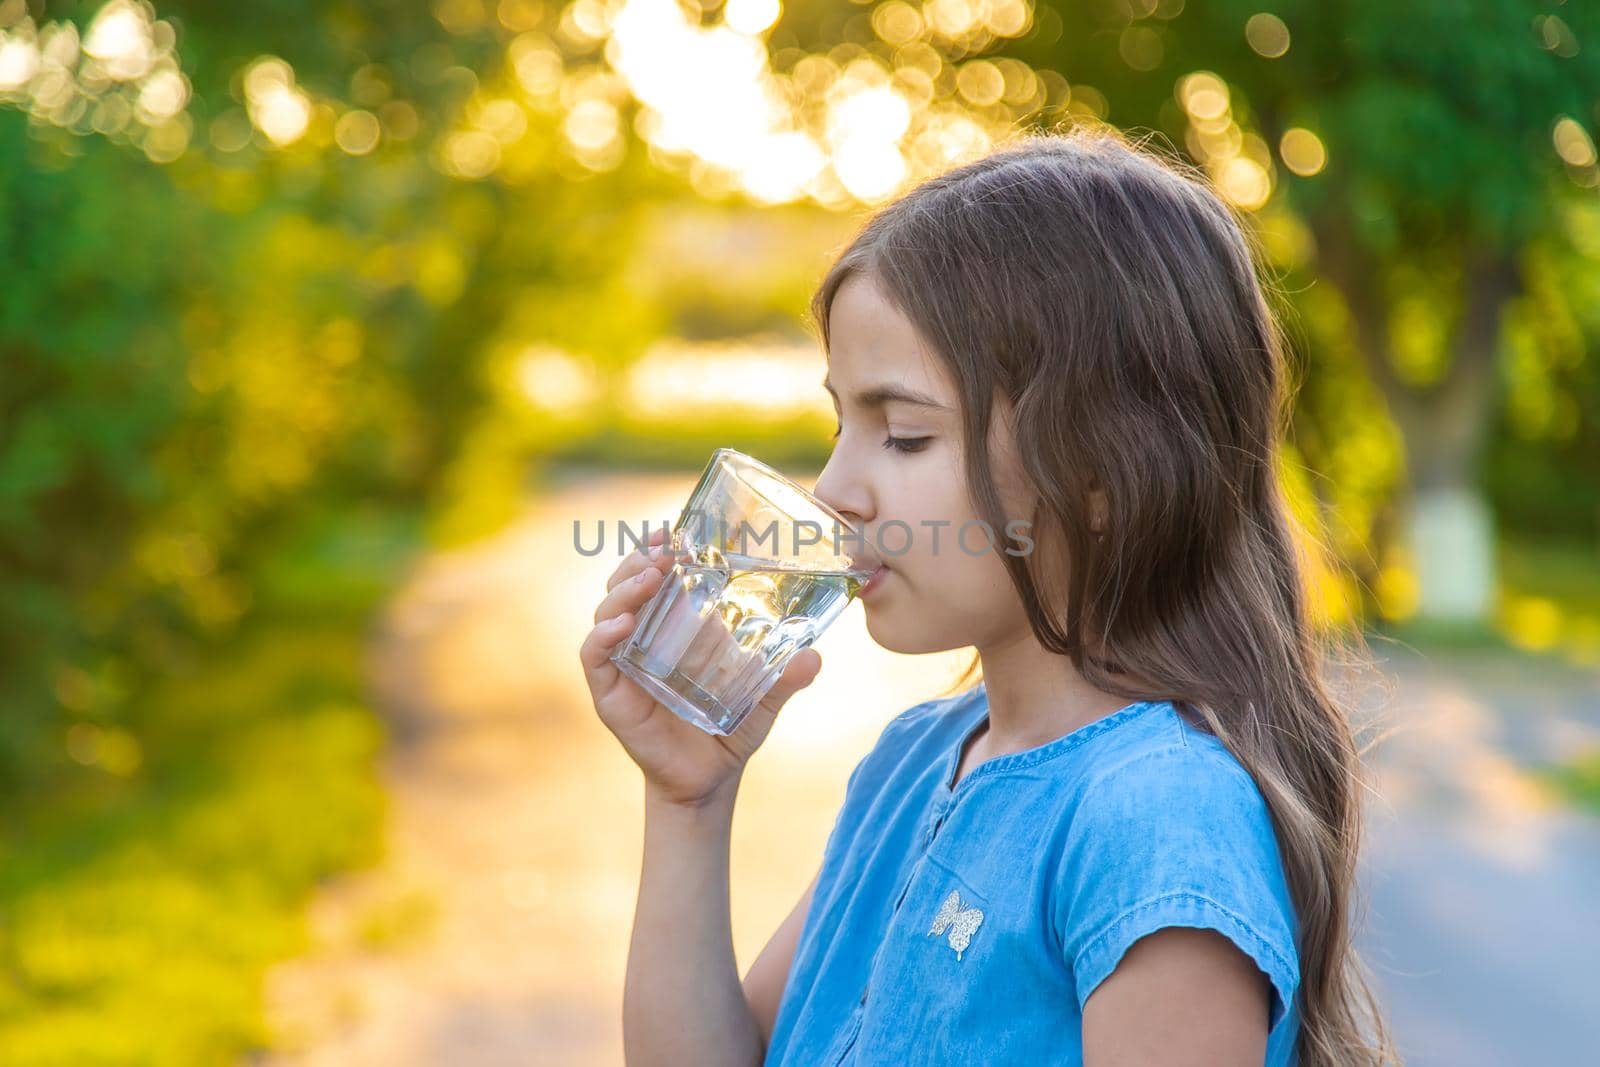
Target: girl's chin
{"type": "Point", "coordinates": [904, 644]}
{"type": "Point", "coordinates": [890, 631]}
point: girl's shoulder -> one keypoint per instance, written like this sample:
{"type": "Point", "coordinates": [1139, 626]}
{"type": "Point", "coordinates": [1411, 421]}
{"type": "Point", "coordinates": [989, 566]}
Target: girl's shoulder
{"type": "Point", "coordinates": [913, 738]}
{"type": "Point", "coordinates": [1168, 828]}
{"type": "Point", "coordinates": [935, 710]}
{"type": "Point", "coordinates": [1167, 750]}
{"type": "Point", "coordinates": [1165, 807]}
{"type": "Point", "coordinates": [926, 723]}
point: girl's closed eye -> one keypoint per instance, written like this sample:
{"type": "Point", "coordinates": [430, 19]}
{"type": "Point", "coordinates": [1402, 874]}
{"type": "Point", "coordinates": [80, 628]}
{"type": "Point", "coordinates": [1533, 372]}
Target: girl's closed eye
{"type": "Point", "coordinates": [898, 444]}
{"type": "Point", "coordinates": [906, 444]}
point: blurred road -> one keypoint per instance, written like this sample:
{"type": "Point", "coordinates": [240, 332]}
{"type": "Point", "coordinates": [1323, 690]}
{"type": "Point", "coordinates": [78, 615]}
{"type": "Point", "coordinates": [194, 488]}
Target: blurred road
{"type": "Point", "coordinates": [1484, 892]}
{"type": "Point", "coordinates": [497, 930]}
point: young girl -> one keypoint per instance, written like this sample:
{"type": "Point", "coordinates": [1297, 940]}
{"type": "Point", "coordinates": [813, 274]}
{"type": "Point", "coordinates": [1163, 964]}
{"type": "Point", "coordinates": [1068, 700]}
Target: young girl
{"type": "Point", "coordinates": [1134, 841]}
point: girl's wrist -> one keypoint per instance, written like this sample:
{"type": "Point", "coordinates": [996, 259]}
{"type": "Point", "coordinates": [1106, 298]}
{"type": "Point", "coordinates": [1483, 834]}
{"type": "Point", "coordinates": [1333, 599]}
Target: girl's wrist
{"type": "Point", "coordinates": [716, 804]}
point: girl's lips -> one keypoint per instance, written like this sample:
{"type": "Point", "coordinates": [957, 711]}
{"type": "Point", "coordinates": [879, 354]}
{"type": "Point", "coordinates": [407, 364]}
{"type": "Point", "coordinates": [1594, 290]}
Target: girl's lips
{"type": "Point", "coordinates": [875, 580]}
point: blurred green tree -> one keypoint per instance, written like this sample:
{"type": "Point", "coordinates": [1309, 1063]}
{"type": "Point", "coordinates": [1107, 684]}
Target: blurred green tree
{"type": "Point", "coordinates": [259, 275]}
{"type": "Point", "coordinates": [1428, 147]}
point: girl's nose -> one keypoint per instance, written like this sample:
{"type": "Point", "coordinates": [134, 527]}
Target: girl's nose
{"type": "Point", "coordinates": [833, 491]}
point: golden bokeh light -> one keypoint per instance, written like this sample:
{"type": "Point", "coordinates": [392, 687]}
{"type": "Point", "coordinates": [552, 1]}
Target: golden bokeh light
{"type": "Point", "coordinates": [1267, 35]}
{"type": "Point", "coordinates": [856, 124]}
{"type": "Point", "coordinates": [898, 23]}
{"type": "Point", "coordinates": [19, 61]}
{"type": "Point", "coordinates": [876, 113]}
{"type": "Point", "coordinates": [871, 171]}
{"type": "Point", "coordinates": [952, 18]}
{"type": "Point", "coordinates": [357, 132]}
{"type": "Point", "coordinates": [1302, 152]}
{"type": "Point", "coordinates": [980, 83]}
{"type": "Point", "coordinates": [1012, 18]}
{"type": "Point", "coordinates": [1245, 182]}
{"type": "Point", "coordinates": [1203, 95]}
{"type": "Point", "coordinates": [700, 88]}
{"type": "Point", "coordinates": [1572, 143]}
{"type": "Point", "coordinates": [168, 141]}
{"type": "Point", "coordinates": [501, 118]}
{"type": "Point", "coordinates": [555, 381]}
{"type": "Point", "coordinates": [519, 15]}
{"type": "Point", "coordinates": [120, 80]}
{"type": "Point", "coordinates": [586, 20]}
{"type": "Point", "coordinates": [751, 16]}
{"type": "Point", "coordinates": [1140, 47]}
{"type": "Point", "coordinates": [793, 159]}
{"type": "Point", "coordinates": [277, 107]}
{"type": "Point", "coordinates": [1239, 163]}
{"type": "Point", "coordinates": [164, 94]}
{"type": "Point", "coordinates": [120, 38]}
{"type": "Point", "coordinates": [111, 115]}
{"type": "Point", "coordinates": [470, 154]}
{"type": "Point", "coordinates": [769, 379]}
{"type": "Point", "coordinates": [592, 124]}
{"type": "Point", "coordinates": [460, 16]}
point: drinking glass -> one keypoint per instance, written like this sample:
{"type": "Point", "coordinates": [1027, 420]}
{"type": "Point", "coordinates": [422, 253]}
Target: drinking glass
{"type": "Point", "coordinates": [760, 568]}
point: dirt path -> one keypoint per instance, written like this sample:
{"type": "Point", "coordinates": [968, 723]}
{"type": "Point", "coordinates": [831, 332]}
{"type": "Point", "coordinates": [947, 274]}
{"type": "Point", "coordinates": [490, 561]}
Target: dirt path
{"type": "Point", "coordinates": [497, 931]}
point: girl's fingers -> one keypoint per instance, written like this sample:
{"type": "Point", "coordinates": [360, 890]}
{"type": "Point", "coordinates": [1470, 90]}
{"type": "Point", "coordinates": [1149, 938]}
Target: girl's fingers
{"type": "Point", "coordinates": [595, 652]}
{"type": "Point", "coordinates": [629, 595]}
{"type": "Point", "coordinates": [637, 561]}
{"type": "Point", "coordinates": [799, 672]}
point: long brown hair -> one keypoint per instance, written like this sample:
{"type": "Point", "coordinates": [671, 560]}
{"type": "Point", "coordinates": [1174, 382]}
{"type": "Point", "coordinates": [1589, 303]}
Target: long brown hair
{"type": "Point", "coordinates": [1116, 302]}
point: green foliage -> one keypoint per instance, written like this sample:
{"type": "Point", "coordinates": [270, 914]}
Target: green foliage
{"type": "Point", "coordinates": [1443, 191]}
{"type": "Point", "coordinates": [201, 355]}
{"type": "Point", "coordinates": [234, 386]}
{"type": "Point", "coordinates": [137, 915]}
{"type": "Point", "coordinates": [1542, 469]}
{"type": "Point", "coordinates": [687, 444]}
{"type": "Point", "coordinates": [1436, 115]}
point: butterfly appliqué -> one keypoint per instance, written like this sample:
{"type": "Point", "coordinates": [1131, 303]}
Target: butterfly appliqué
{"type": "Point", "coordinates": [961, 922]}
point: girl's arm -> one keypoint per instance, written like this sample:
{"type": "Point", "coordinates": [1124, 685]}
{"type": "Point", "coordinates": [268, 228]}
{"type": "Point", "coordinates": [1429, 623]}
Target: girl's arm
{"type": "Point", "coordinates": [1180, 997]}
{"type": "Point", "coordinates": [682, 1000]}
{"type": "Point", "coordinates": [763, 986]}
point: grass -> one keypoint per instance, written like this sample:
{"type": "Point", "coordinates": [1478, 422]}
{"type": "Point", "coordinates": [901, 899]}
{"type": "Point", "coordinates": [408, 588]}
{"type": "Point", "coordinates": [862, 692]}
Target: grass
{"type": "Point", "coordinates": [139, 913]}
{"type": "Point", "coordinates": [1548, 623]}
{"type": "Point", "coordinates": [1566, 573]}
{"type": "Point", "coordinates": [1547, 614]}
{"type": "Point", "coordinates": [1579, 780]}
{"type": "Point", "coordinates": [686, 446]}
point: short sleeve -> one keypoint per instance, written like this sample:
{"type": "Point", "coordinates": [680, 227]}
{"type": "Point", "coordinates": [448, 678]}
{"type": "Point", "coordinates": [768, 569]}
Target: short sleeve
{"type": "Point", "coordinates": [1178, 837]}
{"type": "Point", "coordinates": [866, 778]}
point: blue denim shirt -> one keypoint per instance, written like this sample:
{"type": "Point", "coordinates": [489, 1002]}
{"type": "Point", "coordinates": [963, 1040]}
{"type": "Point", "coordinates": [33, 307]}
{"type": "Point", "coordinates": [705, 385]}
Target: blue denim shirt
{"type": "Point", "coordinates": [970, 925]}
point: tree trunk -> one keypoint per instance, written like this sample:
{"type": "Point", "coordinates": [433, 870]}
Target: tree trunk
{"type": "Point", "coordinates": [1446, 521]}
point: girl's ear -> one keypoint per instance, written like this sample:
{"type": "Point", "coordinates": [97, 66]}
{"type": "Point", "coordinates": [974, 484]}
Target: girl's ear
{"type": "Point", "coordinates": [1097, 510]}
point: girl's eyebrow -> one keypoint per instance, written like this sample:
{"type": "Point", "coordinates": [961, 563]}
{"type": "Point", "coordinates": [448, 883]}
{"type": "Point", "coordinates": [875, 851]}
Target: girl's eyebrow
{"type": "Point", "coordinates": [879, 395]}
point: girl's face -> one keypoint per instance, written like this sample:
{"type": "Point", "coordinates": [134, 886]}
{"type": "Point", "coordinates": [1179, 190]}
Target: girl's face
{"type": "Point", "coordinates": [897, 472]}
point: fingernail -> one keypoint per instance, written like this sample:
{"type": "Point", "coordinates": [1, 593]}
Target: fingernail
{"type": "Point", "coordinates": [655, 553]}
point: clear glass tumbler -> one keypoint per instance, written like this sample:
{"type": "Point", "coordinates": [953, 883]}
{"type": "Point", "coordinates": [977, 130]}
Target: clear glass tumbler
{"type": "Point", "coordinates": [760, 569]}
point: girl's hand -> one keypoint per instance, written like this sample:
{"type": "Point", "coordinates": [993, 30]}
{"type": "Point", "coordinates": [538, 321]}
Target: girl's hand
{"type": "Point", "coordinates": [681, 762]}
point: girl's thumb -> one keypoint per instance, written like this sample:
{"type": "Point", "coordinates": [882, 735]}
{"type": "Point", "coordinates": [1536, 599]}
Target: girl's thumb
{"type": "Point", "coordinates": [801, 670]}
